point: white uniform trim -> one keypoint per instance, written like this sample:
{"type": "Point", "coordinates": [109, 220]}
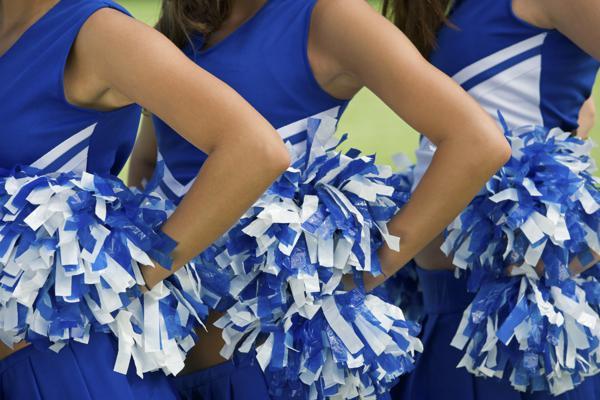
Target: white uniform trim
{"type": "Point", "coordinates": [515, 92]}
{"type": "Point", "coordinates": [60, 150]}
{"type": "Point", "coordinates": [499, 57]}
{"type": "Point", "coordinates": [77, 163]}
{"type": "Point", "coordinates": [300, 126]}
{"type": "Point", "coordinates": [173, 184]}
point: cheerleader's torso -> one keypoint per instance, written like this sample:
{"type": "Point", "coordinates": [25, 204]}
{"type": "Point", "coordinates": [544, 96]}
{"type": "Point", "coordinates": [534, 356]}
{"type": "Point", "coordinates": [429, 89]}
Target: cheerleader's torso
{"type": "Point", "coordinates": [266, 61]}
{"type": "Point", "coordinates": [532, 76]}
{"type": "Point", "coordinates": [38, 126]}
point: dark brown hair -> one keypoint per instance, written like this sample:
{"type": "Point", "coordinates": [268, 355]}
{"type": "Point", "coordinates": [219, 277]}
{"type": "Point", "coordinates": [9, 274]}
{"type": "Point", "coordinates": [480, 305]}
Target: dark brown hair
{"type": "Point", "coordinates": [180, 18]}
{"type": "Point", "coordinates": [418, 19]}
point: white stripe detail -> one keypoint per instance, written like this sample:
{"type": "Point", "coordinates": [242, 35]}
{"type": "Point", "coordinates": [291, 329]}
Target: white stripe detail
{"type": "Point", "coordinates": [58, 151]}
{"type": "Point", "coordinates": [77, 163]}
{"type": "Point", "coordinates": [161, 193]}
{"type": "Point", "coordinates": [173, 184]}
{"type": "Point", "coordinates": [300, 126]}
{"type": "Point", "coordinates": [515, 93]}
{"type": "Point", "coordinates": [499, 57]}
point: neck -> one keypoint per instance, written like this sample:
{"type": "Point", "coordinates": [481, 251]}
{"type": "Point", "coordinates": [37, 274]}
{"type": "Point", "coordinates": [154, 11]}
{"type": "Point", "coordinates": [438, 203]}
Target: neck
{"type": "Point", "coordinates": [21, 12]}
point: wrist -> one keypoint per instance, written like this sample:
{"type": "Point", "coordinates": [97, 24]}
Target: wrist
{"type": "Point", "coordinates": [153, 275]}
{"type": "Point", "coordinates": [388, 259]}
{"type": "Point", "coordinates": [371, 282]}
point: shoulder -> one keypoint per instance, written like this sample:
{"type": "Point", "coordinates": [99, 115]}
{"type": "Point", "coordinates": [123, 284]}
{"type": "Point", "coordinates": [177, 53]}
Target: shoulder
{"type": "Point", "coordinates": [85, 9]}
{"type": "Point", "coordinates": [338, 22]}
{"type": "Point", "coordinates": [106, 20]}
{"type": "Point", "coordinates": [112, 48]}
{"type": "Point", "coordinates": [337, 13]}
{"type": "Point", "coordinates": [110, 31]}
{"type": "Point", "coordinates": [557, 12]}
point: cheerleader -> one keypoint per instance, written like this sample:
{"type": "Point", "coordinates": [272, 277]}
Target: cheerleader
{"type": "Point", "coordinates": [298, 63]}
{"type": "Point", "coordinates": [528, 63]}
{"type": "Point", "coordinates": [76, 243]}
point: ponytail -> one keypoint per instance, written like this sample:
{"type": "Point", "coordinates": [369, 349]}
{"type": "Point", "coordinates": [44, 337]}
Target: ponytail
{"type": "Point", "coordinates": [181, 18]}
{"type": "Point", "coordinates": [420, 20]}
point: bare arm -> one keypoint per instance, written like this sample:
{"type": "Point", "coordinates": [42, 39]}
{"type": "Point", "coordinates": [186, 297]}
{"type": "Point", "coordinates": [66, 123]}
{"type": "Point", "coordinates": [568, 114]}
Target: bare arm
{"type": "Point", "coordinates": [125, 61]}
{"type": "Point", "coordinates": [143, 158]}
{"type": "Point", "coordinates": [587, 118]}
{"type": "Point", "coordinates": [354, 45]}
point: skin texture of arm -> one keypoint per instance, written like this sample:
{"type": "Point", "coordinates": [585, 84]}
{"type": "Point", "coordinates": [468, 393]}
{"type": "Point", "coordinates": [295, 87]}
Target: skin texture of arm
{"type": "Point", "coordinates": [117, 61]}
{"type": "Point", "coordinates": [143, 158]}
{"type": "Point", "coordinates": [352, 46]}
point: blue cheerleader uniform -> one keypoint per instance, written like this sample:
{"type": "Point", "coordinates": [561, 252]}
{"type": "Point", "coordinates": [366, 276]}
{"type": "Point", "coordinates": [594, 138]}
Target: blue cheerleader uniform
{"type": "Point", "coordinates": [44, 133]}
{"type": "Point", "coordinates": [266, 61]}
{"type": "Point", "coordinates": [525, 76]}
{"type": "Point", "coordinates": [284, 288]}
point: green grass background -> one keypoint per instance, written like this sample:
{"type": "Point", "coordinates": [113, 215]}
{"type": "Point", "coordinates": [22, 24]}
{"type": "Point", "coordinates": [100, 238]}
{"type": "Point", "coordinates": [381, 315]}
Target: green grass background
{"type": "Point", "coordinates": [371, 125]}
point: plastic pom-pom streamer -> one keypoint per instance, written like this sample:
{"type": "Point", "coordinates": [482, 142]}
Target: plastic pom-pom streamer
{"type": "Point", "coordinates": [542, 338]}
{"type": "Point", "coordinates": [71, 247]}
{"type": "Point", "coordinates": [541, 209]}
{"type": "Point", "coordinates": [326, 217]}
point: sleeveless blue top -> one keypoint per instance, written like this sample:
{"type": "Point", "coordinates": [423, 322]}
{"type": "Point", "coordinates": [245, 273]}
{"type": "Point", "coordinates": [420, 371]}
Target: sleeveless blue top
{"type": "Point", "coordinates": [39, 127]}
{"type": "Point", "coordinates": [531, 75]}
{"type": "Point", "coordinates": [266, 62]}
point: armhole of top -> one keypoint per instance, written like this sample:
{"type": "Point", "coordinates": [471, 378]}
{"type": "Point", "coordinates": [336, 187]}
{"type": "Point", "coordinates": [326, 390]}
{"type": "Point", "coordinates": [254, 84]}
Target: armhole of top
{"type": "Point", "coordinates": [305, 56]}
{"type": "Point", "coordinates": [513, 14]}
{"type": "Point", "coordinates": [65, 57]}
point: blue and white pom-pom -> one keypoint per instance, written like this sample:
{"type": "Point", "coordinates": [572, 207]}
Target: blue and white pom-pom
{"type": "Point", "coordinates": [71, 247]}
{"type": "Point", "coordinates": [541, 209]}
{"type": "Point", "coordinates": [326, 217]}
{"type": "Point", "coordinates": [403, 289]}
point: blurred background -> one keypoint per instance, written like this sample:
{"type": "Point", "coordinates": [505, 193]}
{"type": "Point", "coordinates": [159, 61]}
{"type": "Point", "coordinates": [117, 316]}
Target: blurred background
{"type": "Point", "coordinates": [372, 126]}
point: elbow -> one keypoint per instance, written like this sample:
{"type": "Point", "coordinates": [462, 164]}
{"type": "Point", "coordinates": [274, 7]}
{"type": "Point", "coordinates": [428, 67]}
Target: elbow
{"type": "Point", "coordinates": [486, 148]}
{"type": "Point", "coordinates": [275, 157]}
{"type": "Point", "coordinates": [495, 152]}
{"type": "Point", "coordinates": [502, 152]}
{"type": "Point", "coordinates": [281, 159]}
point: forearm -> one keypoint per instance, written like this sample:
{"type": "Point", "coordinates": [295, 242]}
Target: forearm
{"type": "Point", "coordinates": [143, 158]}
{"type": "Point", "coordinates": [231, 176]}
{"type": "Point", "coordinates": [441, 195]}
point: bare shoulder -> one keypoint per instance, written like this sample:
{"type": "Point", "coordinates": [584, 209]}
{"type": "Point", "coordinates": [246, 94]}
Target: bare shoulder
{"type": "Point", "coordinates": [109, 28]}
{"type": "Point", "coordinates": [560, 12]}
{"type": "Point", "coordinates": [114, 55]}
{"type": "Point", "coordinates": [532, 12]}
{"type": "Point", "coordinates": [342, 15]}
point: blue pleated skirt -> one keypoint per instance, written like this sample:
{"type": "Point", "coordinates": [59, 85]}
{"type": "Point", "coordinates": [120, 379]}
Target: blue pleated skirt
{"type": "Point", "coordinates": [239, 379]}
{"type": "Point", "coordinates": [436, 376]}
{"type": "Point", "coordinates": [77, 372]}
